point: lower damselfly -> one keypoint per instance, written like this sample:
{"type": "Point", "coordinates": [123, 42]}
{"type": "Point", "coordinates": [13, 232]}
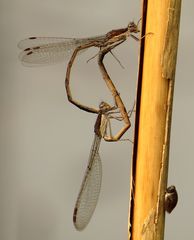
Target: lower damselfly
{"type": "Point", "coordinates": [91, 184]}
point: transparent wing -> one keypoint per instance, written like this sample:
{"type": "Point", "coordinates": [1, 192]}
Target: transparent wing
{"type": "Point", "coordinates": [38, 51]}
{"type": "Point", "coordinates": [90, 188]}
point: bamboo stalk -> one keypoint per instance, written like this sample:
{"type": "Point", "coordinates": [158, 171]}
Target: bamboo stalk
{"type": "Point", "coordinates": [153, 119]}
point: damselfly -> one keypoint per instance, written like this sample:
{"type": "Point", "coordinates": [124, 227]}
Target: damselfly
{"type": "Point", "coordinates": [91, 184]}
{"type": "Point", "coordinates": [43, 50]}
{"type": "Point", "coordinates": [39, 51]}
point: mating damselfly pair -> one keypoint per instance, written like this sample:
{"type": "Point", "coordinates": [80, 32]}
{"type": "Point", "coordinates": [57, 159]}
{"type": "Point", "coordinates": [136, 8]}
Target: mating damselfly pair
{"type": "Point", "coordinates": [40, 51]}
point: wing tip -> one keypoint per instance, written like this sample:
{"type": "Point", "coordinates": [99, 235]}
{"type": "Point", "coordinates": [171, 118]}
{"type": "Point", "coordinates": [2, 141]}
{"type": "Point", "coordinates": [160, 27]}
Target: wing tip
{"type": "Point", "coordinates": [77, 226]}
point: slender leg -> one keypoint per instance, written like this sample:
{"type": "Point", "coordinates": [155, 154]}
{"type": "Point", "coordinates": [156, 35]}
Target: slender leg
{"type": "Point", "coordinates": [139, 39]}
{"type": "Point", "coordinates": [110, 136]}
{"type": "Point", "coordinates": [117, 98]}
{"type": "Point", "coordinates": [120, 118]}
{"type": "Point", "coordinates": [67, 80]}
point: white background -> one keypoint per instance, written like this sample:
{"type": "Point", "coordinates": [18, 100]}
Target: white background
{"type": "Point", "coordinates": [45, 141]}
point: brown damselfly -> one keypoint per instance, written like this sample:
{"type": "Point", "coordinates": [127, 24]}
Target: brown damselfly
{"type": "Point", "coordinates": [39, 51]}
{"type": "Point", "coordinates": [91, 184]}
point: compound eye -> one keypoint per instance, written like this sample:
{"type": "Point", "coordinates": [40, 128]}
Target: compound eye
{"type": "Point", "coordinates": [102, 105]}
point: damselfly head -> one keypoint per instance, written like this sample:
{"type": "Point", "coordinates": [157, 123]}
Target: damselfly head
{"type": "Point", "coordinates": [133, 27]}
{"type": "Point", "coordinates": [105, 107]}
